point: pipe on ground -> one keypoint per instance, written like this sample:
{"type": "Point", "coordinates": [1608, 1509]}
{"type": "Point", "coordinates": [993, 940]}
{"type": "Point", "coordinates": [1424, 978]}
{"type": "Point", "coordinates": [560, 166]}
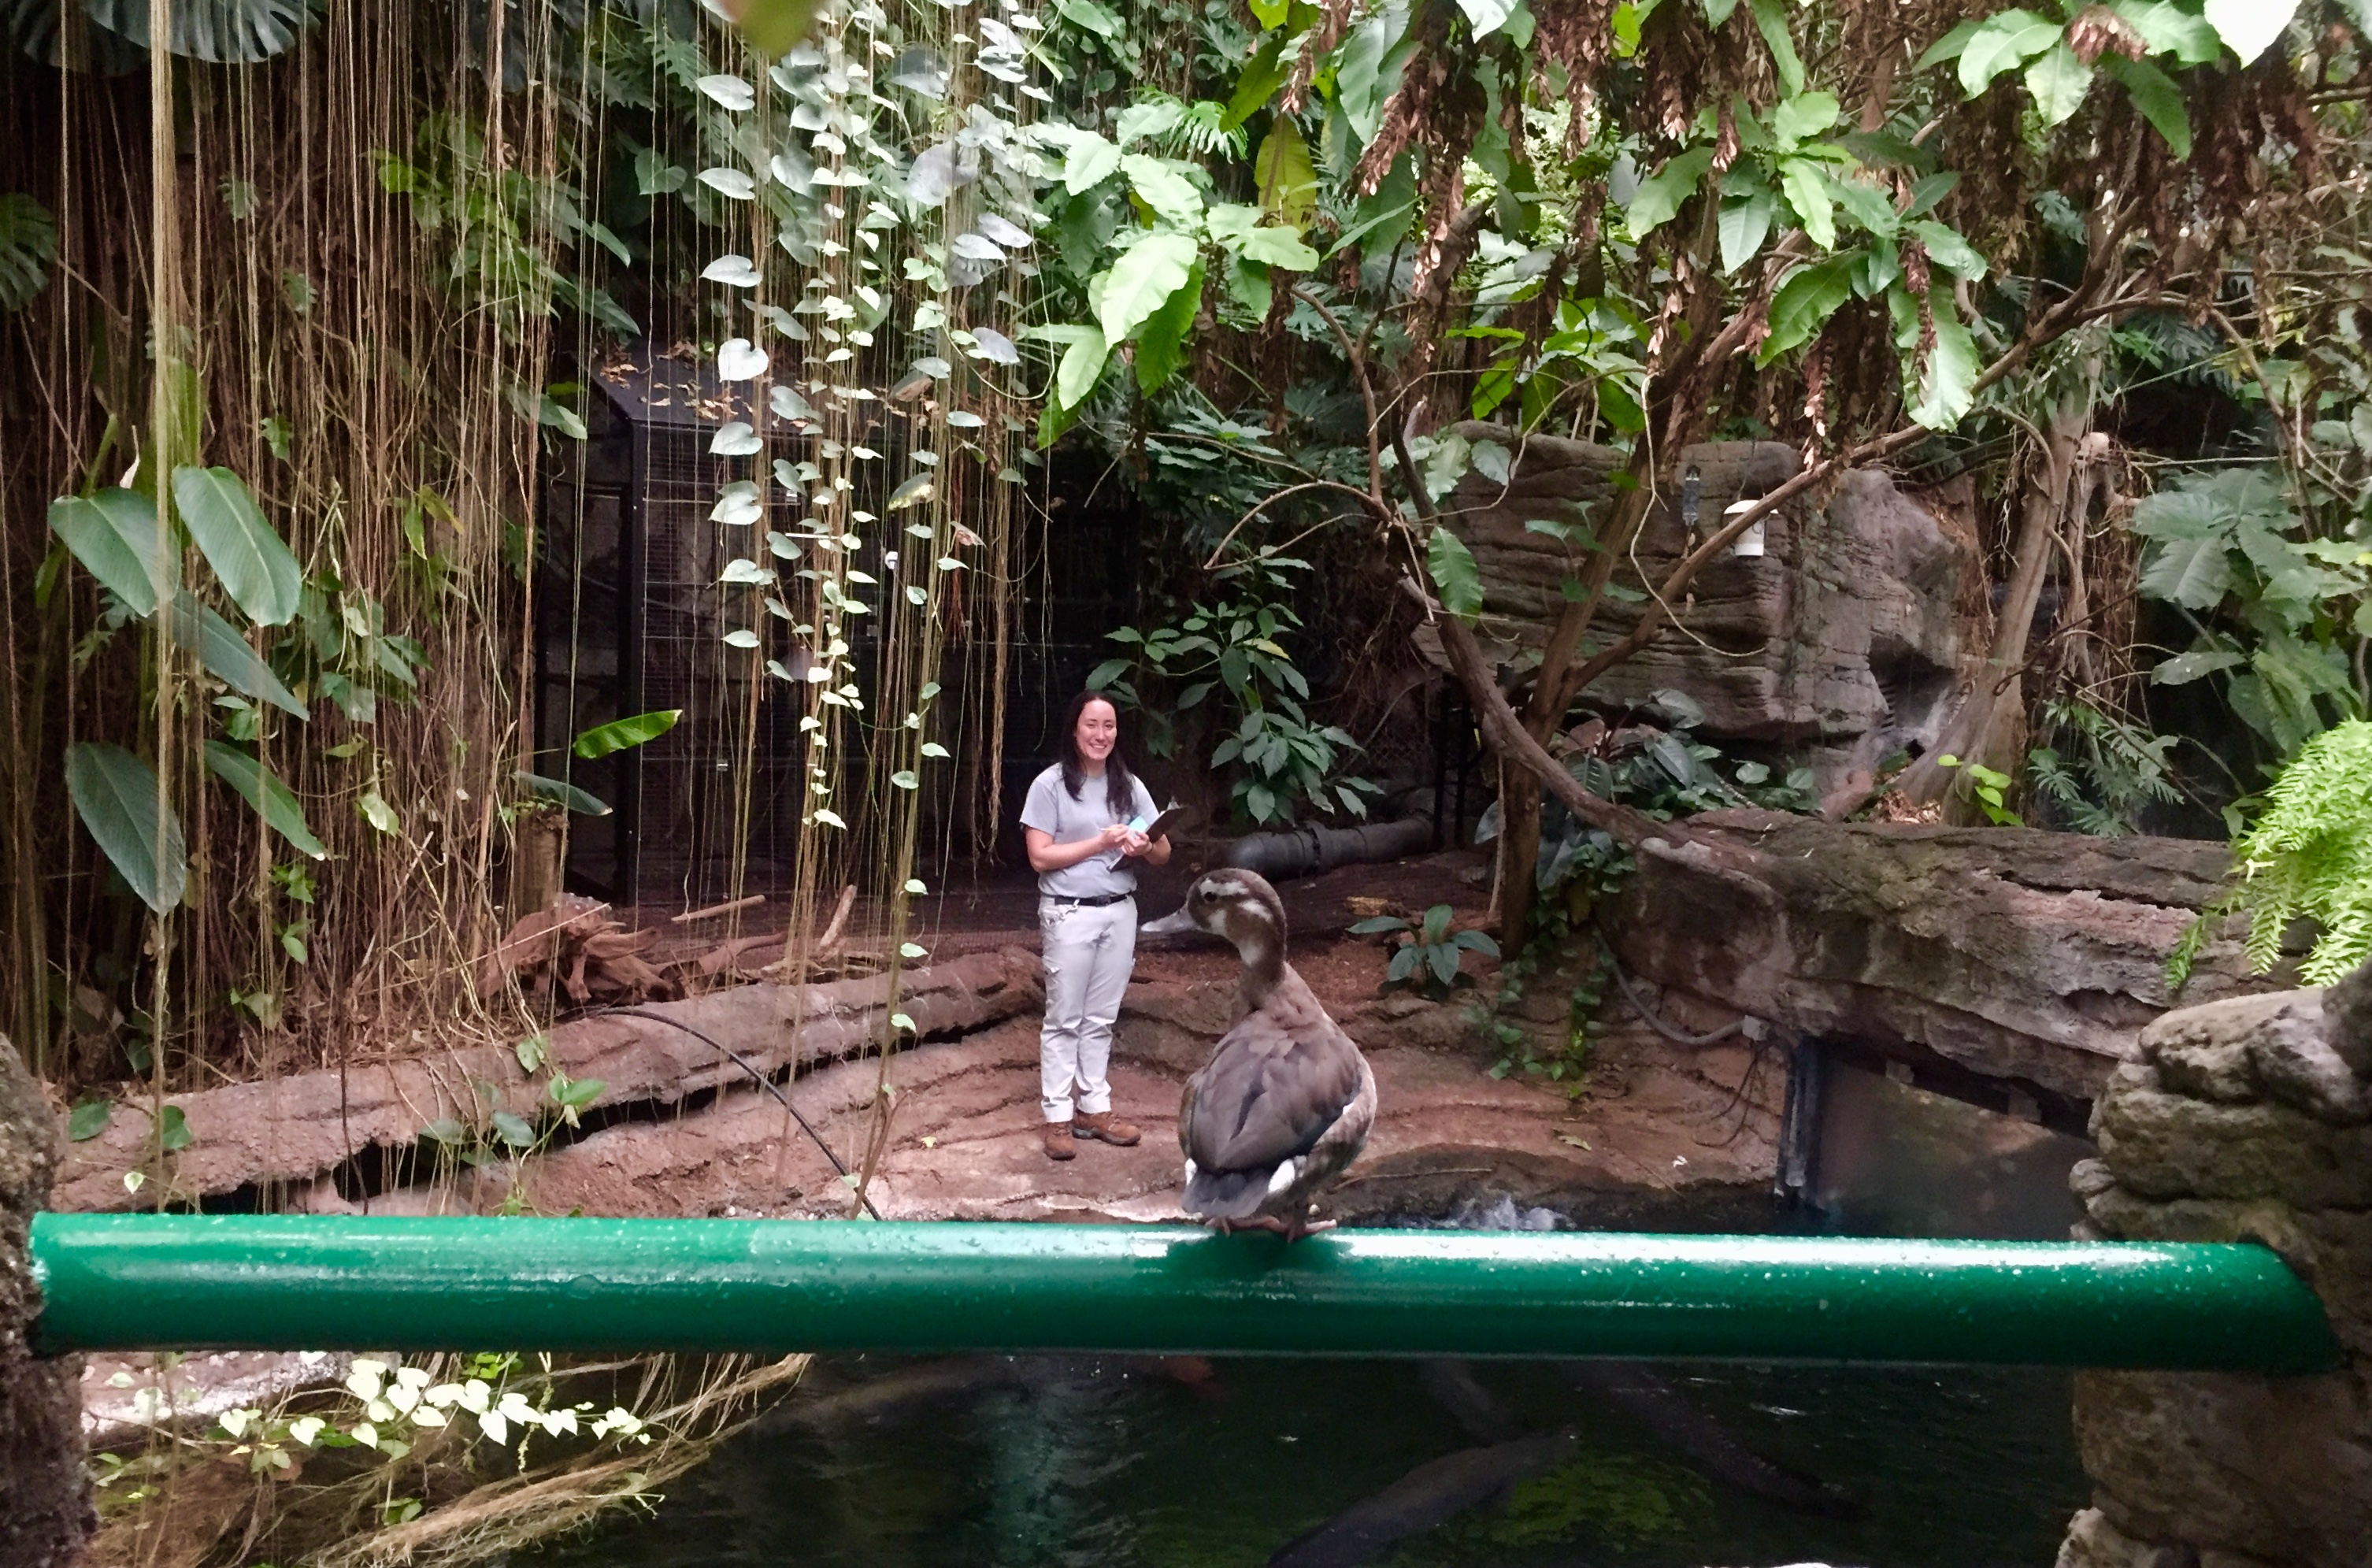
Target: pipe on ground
{"type": "Point", "coordinates": [1297, 852]}
{"type": "Point", "coordinates": [118, 1281]}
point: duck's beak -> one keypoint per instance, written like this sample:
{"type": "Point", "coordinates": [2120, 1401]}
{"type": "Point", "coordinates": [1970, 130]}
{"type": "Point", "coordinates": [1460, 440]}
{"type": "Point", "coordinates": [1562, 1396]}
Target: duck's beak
{"type": "Point", "coordinates": [1170, 924]}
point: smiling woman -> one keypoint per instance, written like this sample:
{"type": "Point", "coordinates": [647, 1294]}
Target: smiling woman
{"type": "Point", "coordinates": [1084, 822]}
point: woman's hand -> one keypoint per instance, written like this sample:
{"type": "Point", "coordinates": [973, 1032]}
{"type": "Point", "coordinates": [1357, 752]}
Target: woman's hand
{"type": "Point", "coordinates": [1116, 836]}
{"type": "Point", "coordinates": [1133, 843]}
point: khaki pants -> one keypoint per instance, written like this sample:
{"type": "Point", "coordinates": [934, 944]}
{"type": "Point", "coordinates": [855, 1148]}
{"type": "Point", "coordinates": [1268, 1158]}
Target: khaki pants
{"type": "Point", "coordinates": [1088, 951]}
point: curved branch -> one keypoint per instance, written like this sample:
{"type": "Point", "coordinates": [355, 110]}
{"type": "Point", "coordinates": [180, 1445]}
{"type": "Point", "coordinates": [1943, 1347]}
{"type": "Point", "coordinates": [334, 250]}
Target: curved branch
{"type": "Point", "coordinates": [1359, 373]}
{"type": "Point", "coordinates": [1276, 496]}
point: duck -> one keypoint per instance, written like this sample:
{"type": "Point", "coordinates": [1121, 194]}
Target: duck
{"type": "Point", "coordinates": [1287, 1100]}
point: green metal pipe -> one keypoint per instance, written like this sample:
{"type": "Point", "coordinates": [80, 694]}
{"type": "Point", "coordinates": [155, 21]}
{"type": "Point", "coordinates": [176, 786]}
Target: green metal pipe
{"type": "Point", "coordinates": [288, 1283]}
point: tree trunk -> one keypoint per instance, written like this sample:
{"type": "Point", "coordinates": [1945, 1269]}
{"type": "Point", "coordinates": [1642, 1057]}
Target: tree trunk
{"type": "Point", "coordinates": [45, 1511]}
{"type": "Point", "coordinates": [1989, 726]}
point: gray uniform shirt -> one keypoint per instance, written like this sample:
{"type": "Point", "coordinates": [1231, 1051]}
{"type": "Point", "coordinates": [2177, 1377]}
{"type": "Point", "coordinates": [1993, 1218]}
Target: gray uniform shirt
{"type": "Point", "coordinates": [1052, 811]}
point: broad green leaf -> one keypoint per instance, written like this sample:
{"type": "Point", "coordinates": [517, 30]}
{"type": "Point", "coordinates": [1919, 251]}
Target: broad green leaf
{"type": "Point", "coordinates": [1273, 245]}
{"type": "Point", "coordinates": [226, 655]}
{"type": "Point", "coordinates": [1660, 195]}
{"type": "Point", "coordinates": [2183, 668]}
{"type": "Point", "coordinates": [256, 567]}
{"type": "Point", "coordinates": [1949, 46]}
{"type": "Point", "coordinates": [1141, 281]}
{"type": "Point", "coordinates": [2155, 97]}
{"type": "Point", "coordinates": [2002, 42]}
{"type": "Point", "coordinates": [1948, 249]}
{"type": "Point", "coordinates": [1160, 186]}
{"type": "Point", "coordinates": [1804, 304]}
{"type": "Point", "coordinates": [1161, 344]}
{"type": "Point", "coordinates": [1086, 14]}
{"type": "Point", "coordinates": [1270, 14]}
{"type": "Point", "coordinates": [116, 795]}
{"type": "Point", "coordinates": [88, 1119]}
{"type": "Point", "coordinates": [1269, 69]}
{"type": "Point", "coordinates": [1487, 16]}
{"type": "Point", "coordinates": [1770, 21]}
{"type": "Point", "coordinates": [1451, 566]}
{"type": "Point", "coordinates": [2193, 571]}
{"type": "Point", "coordinates": [1806, 114]}
{"type": "Point", "coordinates": [1746, 224]}
{"type": "Point", "coordinates": [275, 801]}
{"type": "Point", "coordinates": [1808, 192]}
{"type": "Point", "coordinates": [173, 1133]}
{"type": "Point", "coordinates": [1082, 367]}
{"type": "Point", "coordinates": [2058, 81]}
{"type": "Point", "coordinates": [1142, 121]}
{"type": "Point", "coordinates": [618, 735]}
{"type": "Point", "coordinates": [114, 535]}
{"type": "Point", "coordinates": [1865, 203]}
{"type": "Point", "coordinates": [1285, 177]}
{"type": "Point", "coordinates": [557, 792]}
{"type": "Point", "coordinates": [2170, 30]}
{"type": "Point", "coordinates": [1948, 381]}
{"type": "Point", "coordinates": [1092, 161]}
{"type": "Point", "coordinates": [1367, 70]}
{"type": "Point", "coordinates": [2249, 27]}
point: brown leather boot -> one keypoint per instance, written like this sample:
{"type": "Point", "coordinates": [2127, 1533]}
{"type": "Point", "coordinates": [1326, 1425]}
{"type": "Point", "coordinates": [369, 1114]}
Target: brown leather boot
{"type": "Point", "coordinates": [1058, 1141]}
{"type": "Point", "coordinates": [1103, 1124]}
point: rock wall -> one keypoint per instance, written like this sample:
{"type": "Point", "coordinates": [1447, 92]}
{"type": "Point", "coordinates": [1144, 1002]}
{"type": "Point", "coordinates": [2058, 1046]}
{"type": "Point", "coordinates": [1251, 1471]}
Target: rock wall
{"type": "Point", "coordinates": [2245, 1119]}
{"type": "Point", "coordinates": [1841, 641]}
{"type": "Point", "coordinates": [2011, 952]}
{"type": "Point", "coordinates": [45, 1512]}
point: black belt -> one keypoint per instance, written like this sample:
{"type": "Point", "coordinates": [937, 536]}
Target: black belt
{"type": "Point", "coordinates": [1095, 904]}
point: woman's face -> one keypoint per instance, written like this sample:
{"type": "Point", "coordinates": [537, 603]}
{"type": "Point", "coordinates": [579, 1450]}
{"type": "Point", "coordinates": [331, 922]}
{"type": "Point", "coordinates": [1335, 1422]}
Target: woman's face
{"type": "Point", "coordinates": [1098, 730]}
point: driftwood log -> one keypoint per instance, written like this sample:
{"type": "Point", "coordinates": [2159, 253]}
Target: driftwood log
{"type": "Point", "coordinates": [287, 1132]}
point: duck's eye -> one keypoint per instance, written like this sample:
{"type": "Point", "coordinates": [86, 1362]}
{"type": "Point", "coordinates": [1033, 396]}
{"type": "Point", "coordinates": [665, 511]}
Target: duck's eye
{"type": "Point", "coordinates": [1208, 895]}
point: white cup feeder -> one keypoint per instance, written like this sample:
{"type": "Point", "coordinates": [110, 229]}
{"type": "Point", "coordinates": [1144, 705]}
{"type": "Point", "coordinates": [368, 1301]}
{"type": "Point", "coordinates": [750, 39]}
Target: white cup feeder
{"type": "Point", "coordinates": [1751, 542]}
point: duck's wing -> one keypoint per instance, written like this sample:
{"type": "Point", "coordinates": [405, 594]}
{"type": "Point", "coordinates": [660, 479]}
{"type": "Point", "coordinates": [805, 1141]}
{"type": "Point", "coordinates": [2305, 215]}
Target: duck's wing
{"type": "Point", "coordinates": [1268, 1094]}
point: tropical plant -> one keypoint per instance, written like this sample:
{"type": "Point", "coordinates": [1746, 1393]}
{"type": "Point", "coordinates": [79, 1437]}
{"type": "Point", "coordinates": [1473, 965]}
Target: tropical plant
{"type": "Point", "coordinates": [1284, 761]}
{"type": "Point", "coordinates": [2308, 855]}
{"type": "Point", "coordinates": [1428, 952]}
{"type": "Point", "coordinates": [2103, 772]}
{"type": "Point", "coordinates": [28, 243]}
{"type": "Point", "coordinates": [2277, 610]}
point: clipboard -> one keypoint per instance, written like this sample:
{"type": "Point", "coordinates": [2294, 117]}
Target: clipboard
{"type": "Point", "coordinates": [1171, 818]}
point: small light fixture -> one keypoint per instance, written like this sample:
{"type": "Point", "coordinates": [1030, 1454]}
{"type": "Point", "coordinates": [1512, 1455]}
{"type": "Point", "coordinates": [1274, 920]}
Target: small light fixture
{"type": "Point", "coordinates": [1751, 542]}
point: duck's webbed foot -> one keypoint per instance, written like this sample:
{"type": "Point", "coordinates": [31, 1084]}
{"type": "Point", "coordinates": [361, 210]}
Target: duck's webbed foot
{"type": "Point", "coordinates": [1258, 1222]}
{"type": "Point", "coordinates": [1301, 1227]}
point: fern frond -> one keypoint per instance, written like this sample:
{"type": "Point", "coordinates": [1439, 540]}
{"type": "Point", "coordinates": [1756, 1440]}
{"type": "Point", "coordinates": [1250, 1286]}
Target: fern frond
{"type": "Point", "coordinates": [2310, 854]}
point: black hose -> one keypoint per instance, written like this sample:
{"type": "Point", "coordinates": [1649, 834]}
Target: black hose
{"type": "Point", "coordinates": [1648, 1014]}
{"type": "Point", "coordinates": [760, 1079]}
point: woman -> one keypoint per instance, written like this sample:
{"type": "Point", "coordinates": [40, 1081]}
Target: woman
{"type": "Point", "coordinates": [1083, 824]}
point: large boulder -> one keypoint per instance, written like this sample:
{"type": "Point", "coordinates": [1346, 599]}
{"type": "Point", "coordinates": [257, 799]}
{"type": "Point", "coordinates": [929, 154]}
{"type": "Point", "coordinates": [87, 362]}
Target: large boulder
{"type": "Point", "coordinates": [45, 1511]}
{"type": "Point", "coordinates": [1843, 640]}
{"type": "Point", "coordinates": [2245, 1120]}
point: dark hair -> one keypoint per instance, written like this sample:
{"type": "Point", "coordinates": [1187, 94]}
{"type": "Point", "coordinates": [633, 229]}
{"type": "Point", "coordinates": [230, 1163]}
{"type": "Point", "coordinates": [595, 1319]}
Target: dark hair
{"type": "Point", "coordinates": [1120, 785]}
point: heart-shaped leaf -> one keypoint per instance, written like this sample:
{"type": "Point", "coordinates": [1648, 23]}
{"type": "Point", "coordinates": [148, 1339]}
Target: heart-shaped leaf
{"type": "Point", "coordinates": [731, 91]}
{"type": "Point", "coordinates": [1140, 281]}
{"type": "Point", "coordinates": [618, 735]}
{"type": "Point", "coordinates": [732, 182]}
{"type": "Point", "coordinates": [1005, 232]}
{"type": "Point", "coordinates": [738, 270]}
{"type": "Point", "coordinates": [914, 492]}
{"type": "Point", "coordinates": [989, 343]}
{"type": "Point", "coordinates": [739, 359]}
{"type": "Point", "coordinates": [738, 506]}
{"type": "Point", "coordinates": [114, 534]}
{"type": "Point", "coordinates": [256, 567]}
{"type": "Point", "coordinates": [257, 786]}
{"type": "Point", "coordinates": [977, 247]}
{"type": "Point", "coordinates": [735, 438]}
{"type": "Point", "coordinates": [116, 795]}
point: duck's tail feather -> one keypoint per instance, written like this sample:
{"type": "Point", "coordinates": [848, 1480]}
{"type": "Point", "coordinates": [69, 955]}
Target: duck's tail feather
{"type": "Point", "coordinates": [1226, 1194]}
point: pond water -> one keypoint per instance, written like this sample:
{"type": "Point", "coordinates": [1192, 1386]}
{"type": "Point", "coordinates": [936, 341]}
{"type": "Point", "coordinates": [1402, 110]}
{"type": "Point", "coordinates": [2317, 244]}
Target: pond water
{"type": "Point", "coordinates": [1030, 1463]}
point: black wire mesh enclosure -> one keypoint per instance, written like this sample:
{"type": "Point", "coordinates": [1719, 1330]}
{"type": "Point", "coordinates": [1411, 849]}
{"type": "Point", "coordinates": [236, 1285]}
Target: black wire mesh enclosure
{"type": "Point", "coordinates": [631, 617]}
